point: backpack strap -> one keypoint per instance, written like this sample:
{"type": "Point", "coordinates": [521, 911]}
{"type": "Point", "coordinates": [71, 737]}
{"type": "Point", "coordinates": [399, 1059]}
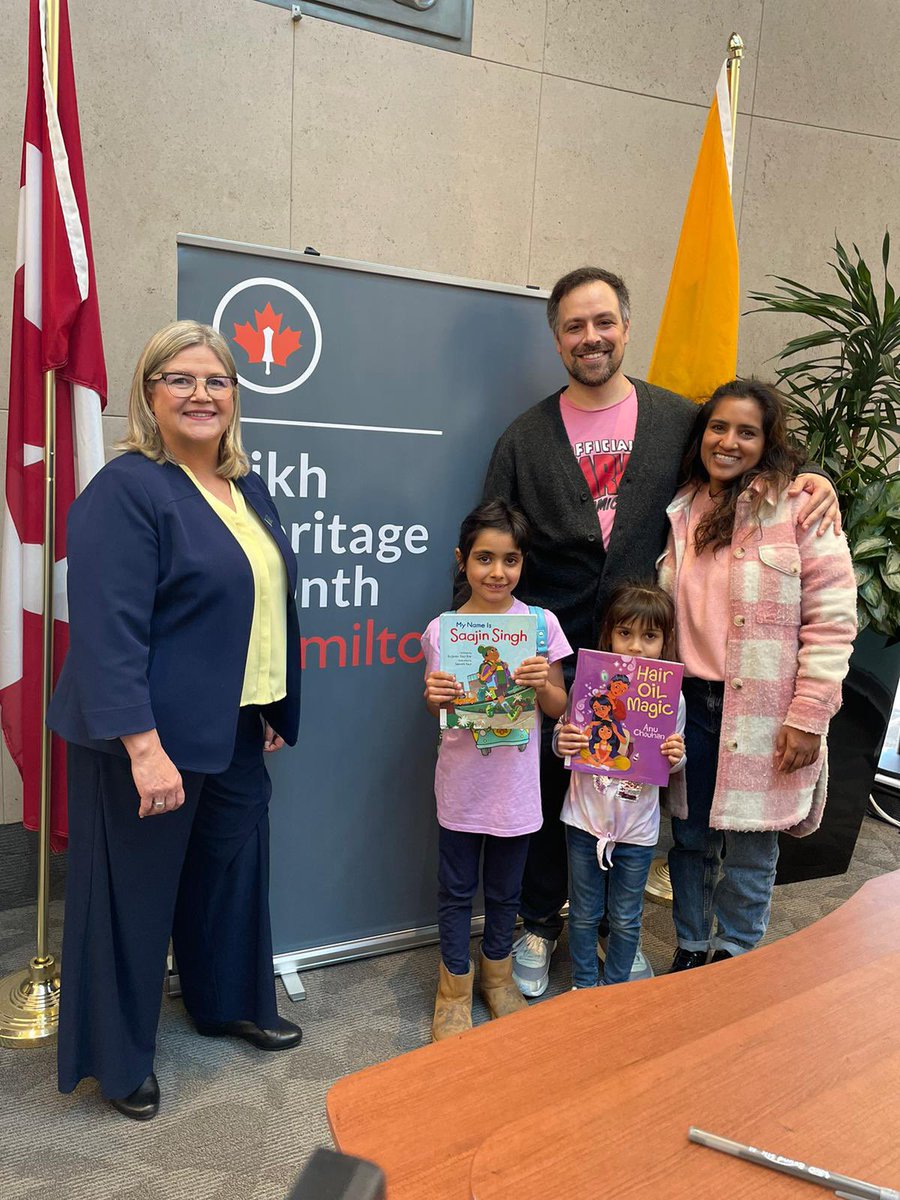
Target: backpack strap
{"type": "Point", "coordinates": [542, 644]}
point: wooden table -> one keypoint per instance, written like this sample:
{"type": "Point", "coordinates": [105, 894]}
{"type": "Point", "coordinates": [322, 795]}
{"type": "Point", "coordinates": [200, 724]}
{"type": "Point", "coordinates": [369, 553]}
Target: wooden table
{"type": "Point", "coordinates": [795, 1047]}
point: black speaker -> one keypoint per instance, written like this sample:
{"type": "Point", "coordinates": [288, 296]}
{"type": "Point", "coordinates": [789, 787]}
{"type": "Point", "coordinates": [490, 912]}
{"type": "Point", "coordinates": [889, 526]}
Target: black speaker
{"type": "Point", "coordinates": [332, 1176]}
{"type": "Point", "coordinates": [854, 744]}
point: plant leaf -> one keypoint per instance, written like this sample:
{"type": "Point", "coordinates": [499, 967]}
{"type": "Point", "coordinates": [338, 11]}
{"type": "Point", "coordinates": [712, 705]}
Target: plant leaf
{"type": "Point", "coordinates": [863, 572]}
{"type": "Point", "coordinates": [890, 573]}
{"type": "Point", "coordinates": [870, 547]}
{"type": "Point", "coordinates": [872, 594]}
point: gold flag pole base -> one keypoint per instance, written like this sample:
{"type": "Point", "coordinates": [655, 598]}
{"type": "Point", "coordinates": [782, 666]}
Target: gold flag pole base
{"type": "Point", "coordinates": [659, 885]}
{"type": "Point", "coordinates": [29, 1004]}
{"type": "Point", "coordinates": [29, 999]}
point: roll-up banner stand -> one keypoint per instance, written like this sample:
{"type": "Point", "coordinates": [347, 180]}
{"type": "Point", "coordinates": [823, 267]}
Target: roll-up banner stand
{"type": "Point", "coordinates": [371, 398]}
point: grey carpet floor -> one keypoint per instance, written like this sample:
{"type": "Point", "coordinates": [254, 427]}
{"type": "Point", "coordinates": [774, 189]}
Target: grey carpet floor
{"type": "Point", "coordinates": [239, 1125]}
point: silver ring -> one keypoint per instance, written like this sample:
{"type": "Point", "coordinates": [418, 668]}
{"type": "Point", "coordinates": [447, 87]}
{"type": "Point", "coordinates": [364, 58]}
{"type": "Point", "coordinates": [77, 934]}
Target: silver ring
{"type": "Point", "coordinates": [159, 804]}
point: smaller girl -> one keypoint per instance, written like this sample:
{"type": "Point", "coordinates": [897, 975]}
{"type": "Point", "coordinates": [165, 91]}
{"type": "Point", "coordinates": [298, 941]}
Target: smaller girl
{"type": "Point", "coordinates": [612, 825]}
{"type": "Point", "coordinates": [494, 803]}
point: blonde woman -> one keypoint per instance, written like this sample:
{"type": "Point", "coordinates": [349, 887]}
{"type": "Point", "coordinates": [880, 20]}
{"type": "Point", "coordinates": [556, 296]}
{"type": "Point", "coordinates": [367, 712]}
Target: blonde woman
{"type": "Point", "coordinates": [183, 670]}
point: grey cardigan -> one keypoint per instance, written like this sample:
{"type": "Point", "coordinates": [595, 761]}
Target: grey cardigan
{"type": "Point", "coordinates": [568, 570]}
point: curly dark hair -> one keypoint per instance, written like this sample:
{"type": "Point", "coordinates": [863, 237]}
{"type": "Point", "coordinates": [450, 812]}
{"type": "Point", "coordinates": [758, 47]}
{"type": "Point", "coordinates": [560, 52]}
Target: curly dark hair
{"type": "Point", "coordinates": [777, 467]}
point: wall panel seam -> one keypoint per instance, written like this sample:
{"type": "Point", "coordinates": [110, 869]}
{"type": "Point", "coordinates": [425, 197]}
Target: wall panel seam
{"type": "Point", "coordinates": [497, 62]}
{"type": "Point", "coordinates": [757, 57]}
{"type": "Point", "coordinates": [883, 137]}
{"type": "Point", "coordinates": [744, 180]}
{"type": "Point", "coordinates": [537, 150]}
{"type": "Point", "coordinates": [295, 30]}
{"type": "Point", "coordinates": [606, 87]}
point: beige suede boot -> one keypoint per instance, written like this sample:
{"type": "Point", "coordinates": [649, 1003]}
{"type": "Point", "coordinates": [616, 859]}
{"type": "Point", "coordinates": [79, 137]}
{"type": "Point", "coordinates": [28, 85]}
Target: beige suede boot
{"type": "Point", "coordinates": [452, 1004]}
{"type": "Point", "coordinates": [497, 987]}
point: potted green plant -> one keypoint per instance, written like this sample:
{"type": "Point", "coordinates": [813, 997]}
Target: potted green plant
{"type": "Point", "coordinates": [842, 381]}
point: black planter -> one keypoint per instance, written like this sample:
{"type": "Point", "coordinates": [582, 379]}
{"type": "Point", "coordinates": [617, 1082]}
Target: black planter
{"type": "Point", "coordinates": [854, 745]}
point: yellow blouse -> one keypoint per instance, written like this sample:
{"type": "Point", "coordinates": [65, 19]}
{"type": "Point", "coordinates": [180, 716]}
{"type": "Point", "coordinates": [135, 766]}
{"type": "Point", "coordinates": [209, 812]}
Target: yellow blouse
{"type": "Point", "coordinates": [265, 675]}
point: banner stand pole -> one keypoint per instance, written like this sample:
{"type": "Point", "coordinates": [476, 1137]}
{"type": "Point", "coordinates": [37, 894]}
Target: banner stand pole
{"type": "Point", "coordinates": [29, 999]}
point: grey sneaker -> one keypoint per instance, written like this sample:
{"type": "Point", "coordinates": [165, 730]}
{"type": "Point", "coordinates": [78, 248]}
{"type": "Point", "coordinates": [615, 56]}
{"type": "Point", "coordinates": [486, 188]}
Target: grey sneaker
{"type": "Point", "coordinates": [531, 963]}
{"type": "Point", "coordinates": [640, 968]}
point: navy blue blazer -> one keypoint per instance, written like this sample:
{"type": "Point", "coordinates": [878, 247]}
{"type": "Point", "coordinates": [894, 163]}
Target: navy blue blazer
{"type": "Point", "coordinates": [160, 606]}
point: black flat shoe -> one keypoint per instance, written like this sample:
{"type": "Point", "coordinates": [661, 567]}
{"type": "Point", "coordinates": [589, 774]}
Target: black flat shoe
{"type": "Point", "coordinates": [143, 1103]}
{"type": "Point", "coordinates": [721, 956]}
{"type": "Point", "coordinates": [285, 1037]}
{"type": "Point", "coordinates": [687, 960]}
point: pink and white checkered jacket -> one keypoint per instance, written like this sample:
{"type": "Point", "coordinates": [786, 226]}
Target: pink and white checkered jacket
{"type": "Point", "coordinates": [791, 613]}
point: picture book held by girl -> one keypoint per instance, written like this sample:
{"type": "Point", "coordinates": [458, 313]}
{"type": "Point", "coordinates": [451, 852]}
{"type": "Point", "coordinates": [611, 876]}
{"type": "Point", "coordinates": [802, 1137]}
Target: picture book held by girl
{"type": "Point", "coordinates": [627, 707]}
{"type": "Point", "coordinates": [483, 651]}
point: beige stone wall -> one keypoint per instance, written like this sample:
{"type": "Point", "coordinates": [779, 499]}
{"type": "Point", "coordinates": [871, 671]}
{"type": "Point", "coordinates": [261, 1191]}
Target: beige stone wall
{"type": "Point", "coordinates": [569, 135]}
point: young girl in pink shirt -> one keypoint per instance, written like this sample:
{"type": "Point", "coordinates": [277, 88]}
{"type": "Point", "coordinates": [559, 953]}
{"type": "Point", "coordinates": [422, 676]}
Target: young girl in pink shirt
{"type": "Point", "coordinates": [488, 805]}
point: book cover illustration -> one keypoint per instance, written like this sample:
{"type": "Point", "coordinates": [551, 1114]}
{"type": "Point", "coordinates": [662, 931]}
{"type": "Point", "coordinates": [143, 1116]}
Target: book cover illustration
{"type": "Point", "coordinates": [482, 650]}
{"type": "Point", "coordinates": [627, 707]}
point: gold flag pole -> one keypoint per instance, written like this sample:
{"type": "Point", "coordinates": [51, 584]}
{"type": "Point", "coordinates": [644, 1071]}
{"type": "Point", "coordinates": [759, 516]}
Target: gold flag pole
{"type": "Point", "coordinates": [659, 884]}
{"type": "Point", "coordinates": [29, 999]}
{"type": "Point", "coordinates": [735, 54]}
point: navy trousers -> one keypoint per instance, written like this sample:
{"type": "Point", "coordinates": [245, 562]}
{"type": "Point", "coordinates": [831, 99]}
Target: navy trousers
{"type": "Point", "coordinates": [458, 858]}
{"type": "Point", "coordinates": [199, 874]}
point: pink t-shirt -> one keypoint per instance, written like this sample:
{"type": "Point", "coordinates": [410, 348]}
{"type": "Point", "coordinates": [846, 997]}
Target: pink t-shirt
{"type": "Point", "coordinates": [601, 440]}
{"type": "Point", "coordinates": [701, 599]}
{"type": "Point", "coordinates": [499, 793]}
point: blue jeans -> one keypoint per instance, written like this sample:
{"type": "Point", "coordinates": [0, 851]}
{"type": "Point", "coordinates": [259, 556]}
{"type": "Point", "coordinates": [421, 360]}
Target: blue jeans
{"type": "Point", "coordinates": [458, 858]}
{"type": "Point", "coordinates": [619, 892]}
{"type": "Point", "coordinates": [721, 876]}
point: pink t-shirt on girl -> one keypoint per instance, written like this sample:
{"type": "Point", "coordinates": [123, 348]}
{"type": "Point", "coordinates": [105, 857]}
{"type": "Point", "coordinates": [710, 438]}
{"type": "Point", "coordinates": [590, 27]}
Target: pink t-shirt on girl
{"type": "Point", "coordinates": [601, 440]}
{"type": "Point", "coordinates": [499, 794]}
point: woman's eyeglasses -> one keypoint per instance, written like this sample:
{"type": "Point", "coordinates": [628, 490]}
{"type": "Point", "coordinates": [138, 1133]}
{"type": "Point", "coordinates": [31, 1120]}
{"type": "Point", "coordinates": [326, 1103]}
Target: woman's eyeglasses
{"type": "Point", "coordinates": [183, 386]}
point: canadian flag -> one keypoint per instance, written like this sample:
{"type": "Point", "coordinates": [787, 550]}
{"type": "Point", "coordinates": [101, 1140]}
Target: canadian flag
{"type": "Point", "coordinates": [55, 326]}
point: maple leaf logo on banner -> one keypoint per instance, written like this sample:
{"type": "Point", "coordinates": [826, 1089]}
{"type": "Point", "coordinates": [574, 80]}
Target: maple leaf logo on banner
{"type": "Point", "coordinates": [267, 343]}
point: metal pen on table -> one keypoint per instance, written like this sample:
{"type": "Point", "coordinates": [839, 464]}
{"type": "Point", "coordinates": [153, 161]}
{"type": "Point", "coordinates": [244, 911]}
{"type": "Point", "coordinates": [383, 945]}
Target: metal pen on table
{"type": "Point", "coordinates": [853, 1189]}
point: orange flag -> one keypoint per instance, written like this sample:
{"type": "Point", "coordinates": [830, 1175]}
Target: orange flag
{"type": "Point", "coordinates": [696, 345]}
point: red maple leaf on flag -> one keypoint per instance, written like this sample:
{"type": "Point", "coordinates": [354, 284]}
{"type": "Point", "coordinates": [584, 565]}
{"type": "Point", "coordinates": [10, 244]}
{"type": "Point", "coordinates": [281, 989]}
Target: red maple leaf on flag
{"type": "Point", "coordinates": [267, 342]}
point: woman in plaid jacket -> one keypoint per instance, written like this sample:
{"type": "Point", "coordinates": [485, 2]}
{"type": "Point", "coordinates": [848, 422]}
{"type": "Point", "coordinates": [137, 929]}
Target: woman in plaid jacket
{"type": "Point", "coordinates": [766, 616]}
